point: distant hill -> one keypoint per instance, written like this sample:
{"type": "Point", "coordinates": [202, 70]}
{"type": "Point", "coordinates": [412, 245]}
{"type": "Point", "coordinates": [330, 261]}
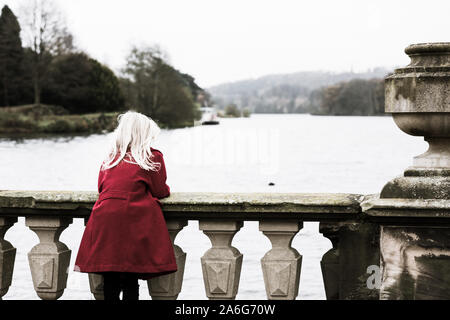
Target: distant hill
{"type": "Point", "coordinates": [285, 93]}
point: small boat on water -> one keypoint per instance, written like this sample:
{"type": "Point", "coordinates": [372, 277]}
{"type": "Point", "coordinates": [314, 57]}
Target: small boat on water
{"type": "Point", "coordinates": [209, 116]}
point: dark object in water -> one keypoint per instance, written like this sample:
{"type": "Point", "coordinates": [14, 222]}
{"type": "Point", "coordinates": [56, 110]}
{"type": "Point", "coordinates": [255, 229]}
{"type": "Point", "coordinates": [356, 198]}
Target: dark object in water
{"type": "Point", "coordinates": [210, 122]}
{"type": "Point", "coordinates": [271, 184]}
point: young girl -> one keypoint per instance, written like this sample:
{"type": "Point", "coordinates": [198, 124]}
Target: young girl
{"type": "Point", "coordinates": [126, 237]}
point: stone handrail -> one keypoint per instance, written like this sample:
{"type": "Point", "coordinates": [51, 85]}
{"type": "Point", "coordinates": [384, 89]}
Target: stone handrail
{"type": "Point", "coordinates": [194, 205]}
{"type": "Point", "coordinates": [220, 217]}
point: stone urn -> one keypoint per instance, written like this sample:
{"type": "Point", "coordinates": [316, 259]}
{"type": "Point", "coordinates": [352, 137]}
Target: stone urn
{"type": "Point", "coordinates": [418, 97]}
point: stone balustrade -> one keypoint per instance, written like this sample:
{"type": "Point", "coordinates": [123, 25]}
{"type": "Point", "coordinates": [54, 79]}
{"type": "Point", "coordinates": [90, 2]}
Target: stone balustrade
{"type": "Point", "coordinates": [220, 216]}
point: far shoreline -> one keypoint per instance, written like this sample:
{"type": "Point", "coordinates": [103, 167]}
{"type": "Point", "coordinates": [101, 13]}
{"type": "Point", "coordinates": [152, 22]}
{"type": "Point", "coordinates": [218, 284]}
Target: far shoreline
{"type": "Point", "coordinates": [17, 136]}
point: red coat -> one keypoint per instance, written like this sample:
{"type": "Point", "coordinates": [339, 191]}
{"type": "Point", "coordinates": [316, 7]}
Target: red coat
{"type": "Point", "coordinates": [126, 231]}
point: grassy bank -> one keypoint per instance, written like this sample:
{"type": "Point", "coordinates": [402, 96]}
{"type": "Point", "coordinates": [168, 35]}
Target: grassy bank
{"type": "Point", "coordinates": [53, 119]}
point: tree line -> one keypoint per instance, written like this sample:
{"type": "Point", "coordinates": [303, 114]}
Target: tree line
{"type": "Point", "coordinates": [45, 67]}
{"type": "Point", "coordinates": [354, 97]}
{"type": "Point", "coordinates": [358, 97]}
{"type": "Point", "coordinates": [318, 93]}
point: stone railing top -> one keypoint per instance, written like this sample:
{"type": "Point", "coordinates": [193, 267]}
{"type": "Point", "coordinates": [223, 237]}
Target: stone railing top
{"type": "Point", "coordinates": [406, 210]}
{"type": "Point", "coordinates": [243, 206]}
{"type": "Point", "coordinates": [194, 205]}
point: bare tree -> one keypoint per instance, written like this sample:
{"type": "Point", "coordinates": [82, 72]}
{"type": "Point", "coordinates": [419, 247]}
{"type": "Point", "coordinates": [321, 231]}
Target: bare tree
{"type": "Point", "coordinates": [46, 35]}
{"type": "Point", "coordinates": [145, 67]}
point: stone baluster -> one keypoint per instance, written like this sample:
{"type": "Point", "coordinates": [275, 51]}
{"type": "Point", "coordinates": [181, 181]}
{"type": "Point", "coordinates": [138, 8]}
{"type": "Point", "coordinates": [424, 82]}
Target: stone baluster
{"type": "Point", "coordinates": [330, 260]}
{"type": "Point", "coordinates": [168, 287]}
{"type": "Point", "coordinates": [95, 281]}
{"type": "Point", "coordinates": [221, 264]}
{"type": "Point", "coordinates": [49, 259]}
{"type": "Point", "coordinates": [7, 256]}
{"type": "Point", "coordinates": [282, 264]}
{"type": "Point", "coordinates": [96, 285]}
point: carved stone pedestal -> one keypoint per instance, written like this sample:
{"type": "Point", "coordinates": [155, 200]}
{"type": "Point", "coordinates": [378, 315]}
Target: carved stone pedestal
{"type": "Point", "coordinates": [415, 208]}
{"type": "Point", "coordinates": [49, 260]}
{"type": "Point", "coordinates": [168, 287]}
{"type": "Point", "coordinates": [221, 265]}
{"type": "Point", "coordinates": [418, 97]}
{"type": "Point", "coordinates": [281, 265]}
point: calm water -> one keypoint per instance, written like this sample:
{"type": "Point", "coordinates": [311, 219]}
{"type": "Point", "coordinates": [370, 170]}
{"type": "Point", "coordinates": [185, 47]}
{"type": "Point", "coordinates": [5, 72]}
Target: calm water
{"type": "Point", "coordinates": [299, 153]}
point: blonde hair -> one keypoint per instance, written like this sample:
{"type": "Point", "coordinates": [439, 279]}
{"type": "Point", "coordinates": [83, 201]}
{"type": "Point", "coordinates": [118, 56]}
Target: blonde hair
{"type": "Point", "coordinates": [136, 132]}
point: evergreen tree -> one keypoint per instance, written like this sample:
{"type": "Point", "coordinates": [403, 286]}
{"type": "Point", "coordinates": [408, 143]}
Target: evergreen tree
{"type": "Point", "coordinates": [82, 85]}
{"type": "Point", "coordinates": [11, 58]}
{"type": "Point", "coordinates": [105, 92]}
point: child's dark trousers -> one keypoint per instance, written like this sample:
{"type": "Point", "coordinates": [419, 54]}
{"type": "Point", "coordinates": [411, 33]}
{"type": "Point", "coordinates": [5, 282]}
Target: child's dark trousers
{"type": "Point", "coordinates": [116, 282]}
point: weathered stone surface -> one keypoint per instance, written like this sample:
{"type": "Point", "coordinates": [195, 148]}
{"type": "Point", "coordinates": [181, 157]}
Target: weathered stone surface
{"type": "Point", "coordinates": [344, 267]}
{"type": "Point", "coordinates": [423, 85]}
{"type": "Point", "coordinates": [435, 187]}
{"type": "Point", "coordinates": [429, 177]}
{"type": "Point", "coordinates": [249, 200]}
{"type": "Point", "coordinates": [359, 252]}
{"type": "Point", "coordinates": [221, 264]}
{"type": "Point", "coordinates": [416, 262]}
{"type": "Point", "coordinates": [49, 259]}
{"type": "Point", "coordinates": [281, 265]}
{"type": "Point", "coordinates": [184, 205]}
{"type": "Point", "coordinates": [7, 256]}
{"type": "Point", "coordinates": [168, 287]}
{"type": "Point", "coordinates": [418, 96]}
{"type": "Point", "coordinates": [29, 199]}
{"type": "Point", "coordinates": [402, 210]}
{"type": "Point", "coordinates": [415, 259]}
{"type": "Point", "coordinates": [430, 124]}
{"type": "Point", "coordinates": [418, 92]}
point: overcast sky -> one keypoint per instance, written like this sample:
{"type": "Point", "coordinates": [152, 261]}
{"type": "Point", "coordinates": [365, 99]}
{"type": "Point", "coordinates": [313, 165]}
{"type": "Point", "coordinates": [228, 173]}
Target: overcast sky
{"type": "Point", "coordinates": [221, 41]}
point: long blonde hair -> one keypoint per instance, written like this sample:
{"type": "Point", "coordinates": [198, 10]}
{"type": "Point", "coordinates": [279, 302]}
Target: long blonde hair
{"type": "Point", "coordinates": [136, 132]}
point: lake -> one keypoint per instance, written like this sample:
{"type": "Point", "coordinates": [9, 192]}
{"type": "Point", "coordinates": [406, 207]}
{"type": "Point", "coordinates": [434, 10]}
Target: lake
{"type": "Point", "coordinates": [297, 153]}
